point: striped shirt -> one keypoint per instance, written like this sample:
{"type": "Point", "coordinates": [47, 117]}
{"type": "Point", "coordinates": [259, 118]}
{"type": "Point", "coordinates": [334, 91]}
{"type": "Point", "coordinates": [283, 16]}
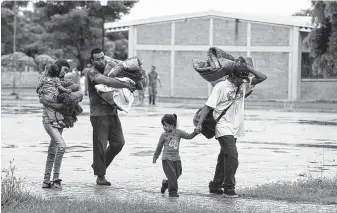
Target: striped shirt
{"type": "Point", "coordinates": [48, 86]}
{"type": "Point", "coordinates": [171, 141]}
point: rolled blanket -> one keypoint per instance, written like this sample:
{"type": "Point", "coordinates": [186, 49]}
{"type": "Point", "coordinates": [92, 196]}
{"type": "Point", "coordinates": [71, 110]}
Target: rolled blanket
{"type": "Point", "coordinates": [111, 63]}
{"type": "Point", "coordinates": [130, 68]}
{"type": "Point", "coordinates": [70, 106]}
{"type": "Point", "coordinates": [218, 64]}
{"type": "Point", "coordinates": [218, 58]}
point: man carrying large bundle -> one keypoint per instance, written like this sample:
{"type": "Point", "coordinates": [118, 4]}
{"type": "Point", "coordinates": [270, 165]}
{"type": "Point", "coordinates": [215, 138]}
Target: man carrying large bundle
{"type": "Point", "coordinates": [232, 81]}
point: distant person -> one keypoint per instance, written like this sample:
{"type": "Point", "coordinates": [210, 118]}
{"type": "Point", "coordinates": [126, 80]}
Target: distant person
{"type": "Point", "coordinates": [144, 82]}
{"type": "Point", "coordinates": [229, 94]}
{"type": "Point", "coordinates": [82, 83]}
{"type": "Point", "coordinates": [84, 72]}
{"type": "Point", "coordinates": [170, 140]}
{"type": "Point", "coordinates": [104, 118]}
{"type": "Point", "coordinates": [153, 78]}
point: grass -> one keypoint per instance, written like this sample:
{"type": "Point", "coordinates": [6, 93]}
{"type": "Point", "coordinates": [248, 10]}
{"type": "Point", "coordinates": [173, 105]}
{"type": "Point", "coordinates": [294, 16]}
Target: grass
{"type": "Point", "coordinates": [15, 199]}
{"type": "Point", "coordinates": [11, 191]}
{"type": "Point", "coordinates": [320, 190]}
{"type": "Point", "coordinates": [38, 205]}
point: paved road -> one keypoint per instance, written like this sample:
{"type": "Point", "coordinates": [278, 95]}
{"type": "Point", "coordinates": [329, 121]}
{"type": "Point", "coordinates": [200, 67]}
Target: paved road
{"type": "Point", "coordinates": [278, 146]}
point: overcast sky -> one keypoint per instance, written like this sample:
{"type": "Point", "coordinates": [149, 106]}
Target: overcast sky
{"type": "Point", "coordinates": [153, 8]}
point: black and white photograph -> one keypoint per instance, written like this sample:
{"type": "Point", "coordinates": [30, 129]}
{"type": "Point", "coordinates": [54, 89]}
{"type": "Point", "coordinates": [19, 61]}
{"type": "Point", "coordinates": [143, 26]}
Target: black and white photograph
{"type": "Point", "coordinates": [166, 106]}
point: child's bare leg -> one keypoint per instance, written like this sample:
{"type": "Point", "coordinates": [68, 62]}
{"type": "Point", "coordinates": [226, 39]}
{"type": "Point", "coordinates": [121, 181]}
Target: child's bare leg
{"type": "Point", "coordinates": [60, 120]}
{"type": "Point", "coordinates": [52, 116]}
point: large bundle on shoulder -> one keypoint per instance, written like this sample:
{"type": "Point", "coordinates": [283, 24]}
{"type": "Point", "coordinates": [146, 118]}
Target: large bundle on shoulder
{"type": "Point", "coordinates": [218, 64]}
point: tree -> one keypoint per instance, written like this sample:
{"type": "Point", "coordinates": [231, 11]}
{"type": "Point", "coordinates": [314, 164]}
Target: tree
{"type": "Point", "coordinates": [111, 12]}
{"type": "Point", "coordinates": [117, 45]}
{"type": "Point", "coordinates": [76, 27]}
{"type": "Point", "coordinates": [42, 61]}
{"type": "Point", "coordinates": [11, 13]}
{"type": "Point", "coordinates": [306, 12]}
{"type": "Point", "coordinates": [323, 39]}
{"type": "Point", "coordinates": [16, 60]}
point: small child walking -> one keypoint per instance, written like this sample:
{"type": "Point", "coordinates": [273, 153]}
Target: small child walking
{"type": "Point", "coordinates": [49, 85]}
{"type": "Point", "coordinates": [170, 140]}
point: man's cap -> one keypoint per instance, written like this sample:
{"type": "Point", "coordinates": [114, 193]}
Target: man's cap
{"type": "Point", "coordinates": [241, 67]}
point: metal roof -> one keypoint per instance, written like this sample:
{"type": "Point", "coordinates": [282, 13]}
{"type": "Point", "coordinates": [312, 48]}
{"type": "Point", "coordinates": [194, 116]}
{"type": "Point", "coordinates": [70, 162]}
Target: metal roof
{"type": "Point", "coordinates": [299, 21]}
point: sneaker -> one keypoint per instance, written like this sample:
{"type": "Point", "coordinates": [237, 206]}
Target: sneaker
{"type": "Point", "coordinates": [46, 185]}
{"type": "Point", "coordinates": [214, 188]}
{"type": "Point", "coordinates": [217, 191]}
{"type": "Point", "coordinates": [57, 184]}
{"type": "Point", "coordinates": [164, 186]}
{"type": "Point", "coordinates": [174, 195]}
{"type": "Point", "coordinates": [230, 194]}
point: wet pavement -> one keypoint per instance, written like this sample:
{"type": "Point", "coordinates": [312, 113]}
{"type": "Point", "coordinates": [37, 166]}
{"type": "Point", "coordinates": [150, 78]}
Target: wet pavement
{"type": "Point", "coordinates": [278, 146]}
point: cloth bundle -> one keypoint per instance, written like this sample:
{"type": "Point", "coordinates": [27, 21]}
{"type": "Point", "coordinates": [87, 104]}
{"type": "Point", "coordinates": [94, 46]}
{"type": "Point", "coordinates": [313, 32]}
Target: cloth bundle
{"type": "Point", "coordinates": [218, 64]}
{"type": "Point", "coordinates": [67, 105]}
{"type": "Point", "coordinates": [128, 71]}
{"type": "Point", "coordinates": [121, 97]}
{"type": "Point", "coordinates": [130, 68]}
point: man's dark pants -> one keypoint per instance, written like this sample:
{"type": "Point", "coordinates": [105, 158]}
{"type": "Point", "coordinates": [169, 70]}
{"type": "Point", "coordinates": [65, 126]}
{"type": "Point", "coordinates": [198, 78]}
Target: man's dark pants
{"type": "Point", "coordinates": [106, 128]}
{"type": "Point", "coordinates": [172, 170]}
{"type": "Point", "coordinates": [227, 164]}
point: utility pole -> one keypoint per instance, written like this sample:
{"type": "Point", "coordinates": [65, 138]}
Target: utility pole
{"type": "Point", "coordinates": [103, 33]}
{"type": "Point", "coordinates": [14, 50]}
{"type": "Point", "coordinates": [104, 3]}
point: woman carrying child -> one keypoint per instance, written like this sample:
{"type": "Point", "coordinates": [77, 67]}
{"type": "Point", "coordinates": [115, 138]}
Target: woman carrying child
{"type": "Point", "coordinates": [49, 86]}
{"type": "Point", "coordinates": [170, 139]}
{"type": "Point", "coordinates": [57, 145]}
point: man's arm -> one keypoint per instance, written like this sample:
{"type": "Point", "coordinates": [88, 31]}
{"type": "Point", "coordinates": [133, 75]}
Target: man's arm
{"type": "Point", "coordinates": [204, 112]}
{"type": "Point", "coordinates": [108, 81]}
{"type": "Point", "coordinates": [258, 76]}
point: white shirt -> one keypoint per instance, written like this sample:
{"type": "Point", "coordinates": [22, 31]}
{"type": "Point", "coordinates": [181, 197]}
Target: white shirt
{"type": "Point", "coordinates": [223, 94]}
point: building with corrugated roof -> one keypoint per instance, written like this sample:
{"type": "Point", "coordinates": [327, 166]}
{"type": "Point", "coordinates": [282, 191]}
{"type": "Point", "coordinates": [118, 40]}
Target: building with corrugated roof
{"type": "Point", "coordinates": [274, 42]}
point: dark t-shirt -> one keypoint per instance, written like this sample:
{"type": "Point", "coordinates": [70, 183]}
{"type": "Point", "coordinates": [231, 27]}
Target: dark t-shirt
{"type": "Point", "coordinates": [153, 76]}
{"type": "Point", "coordinates": [98, 106]}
